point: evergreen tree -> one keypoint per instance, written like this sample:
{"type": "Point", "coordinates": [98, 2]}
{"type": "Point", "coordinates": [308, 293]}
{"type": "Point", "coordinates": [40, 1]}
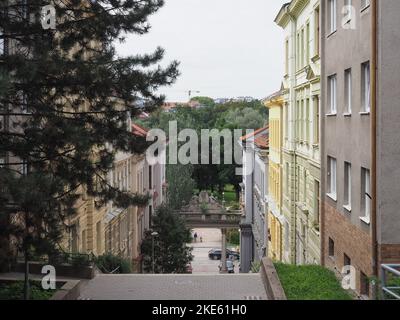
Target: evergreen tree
{"type": "Point", "coordinates": [66, 103]}
{"type": "Point", "coordinates": [180, 185]}
{"type": "Point", "coordinates": [171, 254]}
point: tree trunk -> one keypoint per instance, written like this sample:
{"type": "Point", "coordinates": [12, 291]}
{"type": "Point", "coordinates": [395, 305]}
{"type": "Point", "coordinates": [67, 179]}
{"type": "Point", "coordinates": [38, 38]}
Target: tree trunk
{"type": "Point", "coordinates": [26, 283]}
{"type": "Point", "coordinates": [237, 192]}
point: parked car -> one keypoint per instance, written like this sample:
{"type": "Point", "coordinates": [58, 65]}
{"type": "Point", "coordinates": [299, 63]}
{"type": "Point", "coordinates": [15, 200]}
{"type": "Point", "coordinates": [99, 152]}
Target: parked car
{"type": "Point", "coordinates": [215, 254]}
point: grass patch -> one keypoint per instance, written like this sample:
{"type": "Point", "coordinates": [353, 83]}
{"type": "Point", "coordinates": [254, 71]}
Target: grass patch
{"type": "Point", "coordinates": [310, 283]}
{"type": "Point", "coordinates": [15, 291]}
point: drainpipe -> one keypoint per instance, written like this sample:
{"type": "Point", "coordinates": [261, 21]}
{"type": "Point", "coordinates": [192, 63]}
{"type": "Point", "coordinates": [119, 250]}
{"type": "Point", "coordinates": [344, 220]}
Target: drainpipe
{"type": "Point", "coordinates": [374, 12]}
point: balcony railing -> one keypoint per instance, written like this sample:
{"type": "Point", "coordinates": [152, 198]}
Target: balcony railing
{"type": "Point", "coordinates": [390, 281]}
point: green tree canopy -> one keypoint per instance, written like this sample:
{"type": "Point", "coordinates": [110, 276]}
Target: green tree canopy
{"type": "Point", "coordinates": [170, 250]}
{"type": "Point", "coordinates": [67, 103]}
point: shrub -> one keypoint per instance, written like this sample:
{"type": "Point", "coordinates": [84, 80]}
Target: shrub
{"type": "Point", "coordinates": [255, 266]}
{"type": "Point", "coordinates": [108, 263]}
{"type": "Point", "coordinates": [15, 291]}
{"type": "Point", "coordinates": [233, 236]}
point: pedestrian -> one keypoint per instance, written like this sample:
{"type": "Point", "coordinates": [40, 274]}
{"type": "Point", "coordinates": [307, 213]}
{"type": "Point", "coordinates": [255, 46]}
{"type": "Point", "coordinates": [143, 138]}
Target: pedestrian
{"type": "Point", "coordinates": [195, 237]}
{"type": "Point", "coordinates": [201, 238]}
{"type": "Point", "coordinates": [230, 265]}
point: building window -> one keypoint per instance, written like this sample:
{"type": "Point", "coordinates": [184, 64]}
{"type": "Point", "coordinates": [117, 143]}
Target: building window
{"type": "Point", "coordinates": [287, 178]}
{"type": "Point", "coordinates": [332, 15]}
{"type": "Point", "coordinates": [316, 31]}
{"type": "Point", "coordinates": [332, 92]}
{"type": "Point", "coordinates": [302, 47]}
{"type": "Point", "coordinates": [287, 236]}
{"type": "Point", "coordinates": [316, 204]}
{"type": "Point", "coordinates": [24, 4]}
{"type": "Point", "coordinates": [287, 57]}
{"type": "Point", "coordinates": [84, 247]}
{"type": "Point", "coordinates": [332, 178]}
{"type": "Point", "coordinates": [304, 186]}
{"type": "Point", "coordinates": [346, 260]}
{"type": "Point", "coordinates": [2, 43]}
{"type": "Point", "coordinates": [331, 248]}
{"type": "Point", "coordinates": [298, 52]}
{"type": "Point", "coordinates": [2, 158]}
{"type": "Point", "coordinates": [301, 120]}
{"type": "Point", "coordinates": [307, 43]}
{"type": "Point", "coordinates": [365, 4]}
{"type": "Point", "coordinates": [150, 177]}
{"type": "Point", "coordinates": [24, 167]}
{"type": "Point", "coordinates": [98, 237]}
{"type": "Point", "coordinates": [365, 87]}
{"type": "Point", "coordinates": [150, 217]}
{"type": "Point", "coordinates": [347, 186]}
{"type": "Point", "coordinates": [316, 120]}
{"type": "Point", "coordinates": [307, 121]}
{"type": "Point", "coordinates": [348, 5]}
{"type": "Point", "coordinates": [366, 195]}
{"type": "Point", "coordinates": [364, 284]}
{"type": "Point", "coordinates": [286, 124]}
{"type": "Point", "coordinates": [348, 90]}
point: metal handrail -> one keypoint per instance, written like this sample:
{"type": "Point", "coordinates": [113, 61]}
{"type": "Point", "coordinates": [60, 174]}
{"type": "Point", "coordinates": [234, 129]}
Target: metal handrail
{"type": "Point", "coordinates": [393, 291]}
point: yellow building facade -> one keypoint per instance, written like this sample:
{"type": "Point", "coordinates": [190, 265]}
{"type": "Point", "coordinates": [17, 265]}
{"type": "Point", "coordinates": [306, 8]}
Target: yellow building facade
{"type": "Point", "coordinates": [274, 103]}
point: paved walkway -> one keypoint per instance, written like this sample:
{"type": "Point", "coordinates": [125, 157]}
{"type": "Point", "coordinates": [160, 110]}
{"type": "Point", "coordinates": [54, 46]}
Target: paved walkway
{"type": "Point", "coordinates": [201, 262]}
{"type": "Point", "coordinates": [175, 287]}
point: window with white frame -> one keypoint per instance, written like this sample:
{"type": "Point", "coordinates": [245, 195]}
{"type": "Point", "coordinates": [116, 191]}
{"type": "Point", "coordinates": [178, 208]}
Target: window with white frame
{"type": "Point", "coordinates": [349, 9]}
{"type": "Point", "coordinates": [365, 4]}
{"type": "Point", "coordinates": [316, 31]}
{"type": "Point", "coordinates": [365, 87]}
{"type": "Point", "coordinates": [2, 43]}
{"type": "Point", "coordinates": [332, 178]}
{"type": "Point", "coordinates": [347, 186]}
{"type": "Point", "coordinates": [2, 158]}
{"type": "Point", "coordinates": [348, 90]}
{"type": "Point", "coordinates": [332, 94]}
{"type": "Point", "coordinates": [366, 195]}
{"type": "Point", "coordinates": [317, 202]}
{"type": "Point", "coordinates": [332, 15]}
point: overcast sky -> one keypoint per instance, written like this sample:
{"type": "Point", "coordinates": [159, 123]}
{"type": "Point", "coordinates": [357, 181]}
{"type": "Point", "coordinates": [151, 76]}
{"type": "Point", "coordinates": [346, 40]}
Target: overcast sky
{"type": "Point", "coordinates": [227, 48]}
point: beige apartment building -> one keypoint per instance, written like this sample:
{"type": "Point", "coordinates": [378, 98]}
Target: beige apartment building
{"type": "Point", "coordinates": [360, 137]}
{"type": "Point", "coordinates": [125, 228]}
{"type": "Point", "coordinates": [299, 212]}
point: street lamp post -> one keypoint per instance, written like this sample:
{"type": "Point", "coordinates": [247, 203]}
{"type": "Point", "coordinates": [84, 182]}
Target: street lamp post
{"type": "Point", "coordinates": [153, 234]}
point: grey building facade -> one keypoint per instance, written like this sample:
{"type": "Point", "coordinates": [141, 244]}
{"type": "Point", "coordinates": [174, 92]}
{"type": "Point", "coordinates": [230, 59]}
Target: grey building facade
{"type": "Point", "coordinates": [360, 143]}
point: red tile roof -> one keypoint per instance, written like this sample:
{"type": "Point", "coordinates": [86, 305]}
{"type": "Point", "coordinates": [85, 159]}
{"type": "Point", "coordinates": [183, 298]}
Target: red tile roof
{"type": "Point", "coordinates": [247, 136]}
{"type": "Point", "coordinates": [261, 140]}
{"type": "Point", "coordinates": [139, 131]}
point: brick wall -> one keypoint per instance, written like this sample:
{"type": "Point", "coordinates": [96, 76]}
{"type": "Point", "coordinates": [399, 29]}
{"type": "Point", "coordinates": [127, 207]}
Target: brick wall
{"type": "Point", "coordinates": [350, 240]}
{"type": "Point", "coordinates": [389, 253]}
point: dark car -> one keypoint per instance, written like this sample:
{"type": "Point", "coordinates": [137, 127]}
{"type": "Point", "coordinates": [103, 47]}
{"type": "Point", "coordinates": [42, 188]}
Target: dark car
{"type": "Point", "coordinates": [215, 254]}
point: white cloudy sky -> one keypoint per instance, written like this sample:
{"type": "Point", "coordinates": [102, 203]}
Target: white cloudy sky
{"type": "Point", "coordinates": [227, 48]}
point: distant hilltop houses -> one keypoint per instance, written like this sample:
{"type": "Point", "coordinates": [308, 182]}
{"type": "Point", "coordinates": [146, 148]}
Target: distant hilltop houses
{"type": "Point", "coordinates": [171, 106]}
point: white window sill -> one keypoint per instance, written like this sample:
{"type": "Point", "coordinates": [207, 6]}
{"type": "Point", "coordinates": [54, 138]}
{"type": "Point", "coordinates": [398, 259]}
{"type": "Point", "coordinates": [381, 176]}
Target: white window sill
{"type": "Point", "coordinates": [365, 113]}
{"type": "Point", "coordinates": [331, 114]}
{"type": "Point", "coordinates": [332, 196]}
{"type": "Point", "coordinates": [366, 220]}
{"type": "Point", "coordinates": [331, 33]}
{"type": "Point", "coordinates": [347, 114]}
{"type": "Point", "coordinates": [365, 8]}
{"type": "Point", "coordinates": [347, 207]}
